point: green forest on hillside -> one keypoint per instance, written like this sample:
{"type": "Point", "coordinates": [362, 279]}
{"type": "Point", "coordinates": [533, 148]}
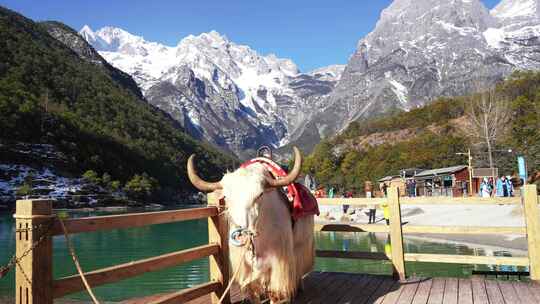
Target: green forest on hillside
{"type": "Point", "coordinates": [50, 95]}
{"type": "Point", "coordinates": [333, 162]}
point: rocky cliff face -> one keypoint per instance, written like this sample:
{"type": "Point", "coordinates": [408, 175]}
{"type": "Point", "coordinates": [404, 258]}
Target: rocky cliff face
{"type": "Point", "coordinates": [423, 49]}
{"type": "Point", "coordinates": [517, 37]}
{"type": "Point", "coordinates": [219, 91]}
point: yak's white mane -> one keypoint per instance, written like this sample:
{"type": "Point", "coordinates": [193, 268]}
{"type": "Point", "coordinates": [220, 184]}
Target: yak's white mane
{"type": "Point", "coordinates": [283, 254]}
{"type": "Point", "coordinates": [241, 188]}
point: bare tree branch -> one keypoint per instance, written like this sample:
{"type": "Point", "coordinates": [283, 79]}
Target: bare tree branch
{"type": "Point", "coordinates": [488, 115]}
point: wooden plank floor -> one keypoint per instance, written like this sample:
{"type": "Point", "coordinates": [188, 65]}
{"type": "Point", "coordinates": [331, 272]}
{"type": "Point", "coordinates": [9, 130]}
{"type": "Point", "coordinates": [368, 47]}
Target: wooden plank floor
{"type": "Point", "coordinates": [344, 288]}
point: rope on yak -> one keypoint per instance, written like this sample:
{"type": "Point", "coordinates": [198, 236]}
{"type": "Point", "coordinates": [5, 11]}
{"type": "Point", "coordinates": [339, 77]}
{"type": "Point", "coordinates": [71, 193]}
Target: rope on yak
{"type": "Point", "coordinates": [249, 245]}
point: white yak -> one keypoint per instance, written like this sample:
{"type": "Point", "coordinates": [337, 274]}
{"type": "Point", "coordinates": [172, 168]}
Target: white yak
{"type": "Point", "coordinates": [284, 251]}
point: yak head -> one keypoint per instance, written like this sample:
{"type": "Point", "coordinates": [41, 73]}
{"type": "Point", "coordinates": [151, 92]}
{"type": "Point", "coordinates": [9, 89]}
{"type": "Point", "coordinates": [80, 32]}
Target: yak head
{"type": "Point", "coordinates": [243, 188]}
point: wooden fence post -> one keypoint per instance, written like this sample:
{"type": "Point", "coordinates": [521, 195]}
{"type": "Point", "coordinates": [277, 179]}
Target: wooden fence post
{"type": "Point", "coordinates": [218, 232]}
{"type": "Point", "coordinates": [530, 202]}
{"type": "Point", "coordinates": [33, 276]}
{"type": "Point", "coordinates": [396, 234]}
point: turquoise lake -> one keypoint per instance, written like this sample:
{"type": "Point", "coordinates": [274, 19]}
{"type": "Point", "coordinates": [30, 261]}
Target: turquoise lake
{"type": "Point", "coordinates": [101, 249]}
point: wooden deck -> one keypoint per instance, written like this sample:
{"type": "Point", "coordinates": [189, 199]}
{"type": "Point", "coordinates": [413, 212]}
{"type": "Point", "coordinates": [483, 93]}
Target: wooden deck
{"type": "Point", "coordinates": [330, 287]}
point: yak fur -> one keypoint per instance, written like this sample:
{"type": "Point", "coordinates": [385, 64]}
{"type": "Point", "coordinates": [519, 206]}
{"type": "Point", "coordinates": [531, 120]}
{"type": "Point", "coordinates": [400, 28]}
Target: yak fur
{"type": "Point", "coordinates": [284, 252]}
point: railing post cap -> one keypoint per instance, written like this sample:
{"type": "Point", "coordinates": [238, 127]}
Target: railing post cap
{"type": "Point", "coordinates": [33, 207]}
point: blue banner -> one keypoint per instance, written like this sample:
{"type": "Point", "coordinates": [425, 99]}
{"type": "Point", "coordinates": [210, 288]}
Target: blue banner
{"type": "Point", "coordinates": [522, 168]}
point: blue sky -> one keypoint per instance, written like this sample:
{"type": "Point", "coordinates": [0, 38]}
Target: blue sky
{"type": "Point", "coordinates": [313, 33]}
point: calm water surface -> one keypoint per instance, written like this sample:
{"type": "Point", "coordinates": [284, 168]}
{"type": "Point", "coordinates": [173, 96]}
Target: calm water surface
{"type": "Point", "coordinates": [101, 249]}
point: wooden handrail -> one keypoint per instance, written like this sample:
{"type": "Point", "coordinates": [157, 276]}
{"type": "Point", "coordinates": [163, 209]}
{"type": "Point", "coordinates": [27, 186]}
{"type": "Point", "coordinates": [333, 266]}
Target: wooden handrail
{"type": "Point", "coordinates": [42, 288]}
{"type": "Point", "coordinates": [466, 259]}
{"type": "Point", "coordinates": [445, 200]}
{"type": "Point", "coordinates": [532, 213]}
{"type": "Point", "coordinates": [351, 255]}
{"type": "Point", "coordinates": [218, 265]}
{"type": "Point", "coordinates": [345, 227]}
{"type": "Point", "coordinates": [425, 200]}
{"type": "Point", "coordinates": [427, 257]}
{"type": "Point", "coordinates": [71, 284]}
{"type": "Point", "coordinates": [189, 294]}
{"type": "Point", "coordinates": [418, 229]}
{"type": "Point", "coordinates": [396, 234]}
{"type": "Point", "coordinates": [100, 223]}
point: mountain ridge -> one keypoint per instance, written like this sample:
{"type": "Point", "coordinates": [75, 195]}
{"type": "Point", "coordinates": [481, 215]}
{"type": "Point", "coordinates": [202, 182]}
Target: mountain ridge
{"type": "Point", "coordinates": [421, 50]}
{"type": "Point", "coordinates": [219, 91]}
{"type": "Point", "coordinates": [418, 51]}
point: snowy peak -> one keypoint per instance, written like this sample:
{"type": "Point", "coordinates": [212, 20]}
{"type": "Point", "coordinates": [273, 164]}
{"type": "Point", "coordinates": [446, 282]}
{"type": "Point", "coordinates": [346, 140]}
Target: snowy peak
{"type": "Point", "coordinates": [460, 13]}
{"type": "Point", "coordinates": [212, 48]}
{"type": "Point", "coordinates": [212, 39]}
{"type": "Point", "coordinates": [87, 33]}
{"type": "Point", "coordinates": [328, 73]}
{"type": "Point", "coordinates": [117, 37]}
{"type": "Point", "coordinates": [516, 8]}
{"type": "Point", "coordinates": [113, 39]}
{"type": "Point", "coordinates": [517, 13]}
{"type": "Point", "coordinates": [429, 25]}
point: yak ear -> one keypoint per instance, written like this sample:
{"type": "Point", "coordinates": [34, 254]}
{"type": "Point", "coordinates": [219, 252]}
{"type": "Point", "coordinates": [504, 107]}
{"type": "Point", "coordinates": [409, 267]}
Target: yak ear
{"type": "Point", "coordinates": [220, 197]}
{"type": "Point", "coordinates": [219, 194]}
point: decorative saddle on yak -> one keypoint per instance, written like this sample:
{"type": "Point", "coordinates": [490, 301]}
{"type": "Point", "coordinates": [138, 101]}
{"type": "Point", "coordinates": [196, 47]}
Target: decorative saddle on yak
{"type": "Point", "coordinates": [303, 203]}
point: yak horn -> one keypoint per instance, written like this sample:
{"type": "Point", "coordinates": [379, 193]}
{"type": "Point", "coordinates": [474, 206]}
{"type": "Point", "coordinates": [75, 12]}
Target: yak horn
{"type": "Point", "coordinates": [198, 182]}
{"type": "Point", "coordinates": [293, 174]}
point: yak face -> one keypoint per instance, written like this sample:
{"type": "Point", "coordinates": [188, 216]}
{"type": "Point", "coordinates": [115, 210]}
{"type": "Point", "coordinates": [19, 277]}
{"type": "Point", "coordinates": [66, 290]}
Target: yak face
{"type": "Point", "coordinates": [242, 190]}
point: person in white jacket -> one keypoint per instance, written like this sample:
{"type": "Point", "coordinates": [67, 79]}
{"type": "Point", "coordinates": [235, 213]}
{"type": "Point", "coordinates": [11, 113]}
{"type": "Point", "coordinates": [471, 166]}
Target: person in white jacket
{"type": "Point", "coordinates": [485, 188]}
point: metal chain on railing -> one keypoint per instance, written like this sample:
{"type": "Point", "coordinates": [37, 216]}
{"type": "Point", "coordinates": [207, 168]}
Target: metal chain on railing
{"type": "Point", "coordinates": [15, 260]}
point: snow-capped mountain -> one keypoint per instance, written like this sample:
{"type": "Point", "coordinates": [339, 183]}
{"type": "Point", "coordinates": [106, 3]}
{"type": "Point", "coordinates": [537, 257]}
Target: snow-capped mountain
{"type": "Point", "coordinates": [423, 49]}
{"type": "Point", "coordinates": [330, 73]}
{"type": "Point", "coordinates": [144, 61]}
{"type": "Point", "coordinates": [220, 91]}
{"type": "Point", "coordinates": [419, 50]}
{"type": "Point", "coordinates": [517, 13]}
{"type": "Point", "coordinates": [518, 36]}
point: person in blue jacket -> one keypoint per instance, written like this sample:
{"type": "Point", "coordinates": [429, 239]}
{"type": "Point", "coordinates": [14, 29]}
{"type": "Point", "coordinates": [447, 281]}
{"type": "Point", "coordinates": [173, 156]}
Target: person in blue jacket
{"type": "Point", "coordinates": [499, 187]}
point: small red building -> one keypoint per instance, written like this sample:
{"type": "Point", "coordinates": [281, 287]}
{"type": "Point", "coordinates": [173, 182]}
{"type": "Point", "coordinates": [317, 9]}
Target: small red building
{"type": "Point", "coordinates": [450, 181]}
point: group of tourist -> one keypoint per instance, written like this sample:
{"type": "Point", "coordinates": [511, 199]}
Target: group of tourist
{"type": "Point", "coordinates": [501, 187]}
{"type": "Point", "coordinates": [410, 186]}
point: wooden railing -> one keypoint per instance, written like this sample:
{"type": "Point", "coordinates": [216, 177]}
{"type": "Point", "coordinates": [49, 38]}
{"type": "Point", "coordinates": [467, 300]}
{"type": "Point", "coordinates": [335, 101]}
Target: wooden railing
{"type": "Point", "coordinates": [396, 229]}
{"type": "Point", "coordinates": [35, 224]}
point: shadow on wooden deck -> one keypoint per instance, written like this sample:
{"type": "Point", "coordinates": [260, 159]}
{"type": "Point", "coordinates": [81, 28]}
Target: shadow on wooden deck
{"type": "Point", "coordinates": [342, 288]}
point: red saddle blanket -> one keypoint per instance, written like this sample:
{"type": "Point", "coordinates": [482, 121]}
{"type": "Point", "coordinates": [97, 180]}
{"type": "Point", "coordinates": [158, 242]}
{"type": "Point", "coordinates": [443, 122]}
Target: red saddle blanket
{"type": "Point", "coordinates": [303, 202]}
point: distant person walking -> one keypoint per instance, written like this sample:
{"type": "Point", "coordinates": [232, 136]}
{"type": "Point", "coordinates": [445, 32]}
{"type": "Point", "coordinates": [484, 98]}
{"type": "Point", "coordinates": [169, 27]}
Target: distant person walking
{"type": "Point", "coordinates": [345, 206]}
{"type": "Point", "coordinates": [499, 187]}
{"type": "Point", "coordinates": [368, 188]}
{"type": "Point", "coordinates": [309, 182]}
{"type": "Point", "coordinates": [384, 189]}
{"type": "Point", "coordinates": [386, 213]}
{"type": "Point", "coordinates": [509, 185]}
{"type": "Point", "coordinates": [331, 192]}
{"type": "Point", "coordinates": [504, 186]}
{"type": "Point", "coordinates": [485, 188]}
